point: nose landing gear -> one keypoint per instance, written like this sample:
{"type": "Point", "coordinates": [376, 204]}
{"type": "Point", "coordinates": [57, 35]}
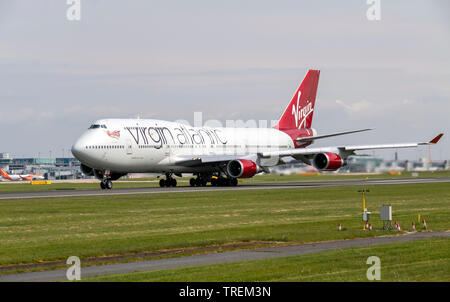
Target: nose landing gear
{"type": "Point", "coordinates": [106, 184]}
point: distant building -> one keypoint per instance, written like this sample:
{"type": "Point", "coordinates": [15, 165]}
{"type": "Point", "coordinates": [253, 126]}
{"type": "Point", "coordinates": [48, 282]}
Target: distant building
{"type": "Point", "coordinates": [5, 161]}
{"type": "Point", "coordinates": [361, 164]}
{"type": "Point", "coordinates": [50, 168]}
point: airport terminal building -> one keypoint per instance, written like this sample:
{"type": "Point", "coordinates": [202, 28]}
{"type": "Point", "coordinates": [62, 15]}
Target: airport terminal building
{"type": "Point", "coordinates": [50, 168]}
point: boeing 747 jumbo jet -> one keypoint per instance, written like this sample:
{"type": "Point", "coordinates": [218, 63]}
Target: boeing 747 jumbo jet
{"type": "Point", "coordinates": [111, 148]}
{"type": "Point", "coordinates": [28, 177]}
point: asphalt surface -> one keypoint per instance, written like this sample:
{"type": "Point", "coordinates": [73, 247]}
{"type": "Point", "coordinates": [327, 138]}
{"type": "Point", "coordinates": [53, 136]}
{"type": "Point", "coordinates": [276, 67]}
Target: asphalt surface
{"type": "Point", "coordinates": [262, 186]}
{"type": "Point", "coordinates": [219, 258]}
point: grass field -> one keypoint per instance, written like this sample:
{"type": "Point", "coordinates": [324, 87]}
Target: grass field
{"type": "Point", "coordinates": [154, 182]}
{"type": "Point", "coordinates": [424, 260]}
{"type": "Point", "coordinates": [36, 230]}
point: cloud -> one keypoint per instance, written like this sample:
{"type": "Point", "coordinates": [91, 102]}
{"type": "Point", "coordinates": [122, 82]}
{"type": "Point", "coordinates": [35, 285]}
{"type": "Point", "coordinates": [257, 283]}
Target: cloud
{"type": "Point", "coordinates": [357, 107]}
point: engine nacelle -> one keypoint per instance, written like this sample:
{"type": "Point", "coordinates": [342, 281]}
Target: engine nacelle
{"type": "Point", "coordinates": [327, 161]}
{"type": "Point", "coordinates": [241, 168]}
{"type": "Point", "coordinates": [88, 171]}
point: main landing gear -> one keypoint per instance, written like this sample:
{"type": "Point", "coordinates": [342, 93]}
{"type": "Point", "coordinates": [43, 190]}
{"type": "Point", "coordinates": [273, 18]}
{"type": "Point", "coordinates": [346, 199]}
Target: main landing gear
{"type": "Point", "coordinates": [198, 182]}
{"type": "Point", "coordinates": [106, 184]}
{"type": "Point", "coordinates": [168, 182]}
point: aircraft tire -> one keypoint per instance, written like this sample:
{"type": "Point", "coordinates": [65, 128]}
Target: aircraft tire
{"type": "Point", "coordinates": [108, 184]}
{"type": "Point", "coordinates": [192, 182]}
{"type": "Point", "coordinates": [162, 183]}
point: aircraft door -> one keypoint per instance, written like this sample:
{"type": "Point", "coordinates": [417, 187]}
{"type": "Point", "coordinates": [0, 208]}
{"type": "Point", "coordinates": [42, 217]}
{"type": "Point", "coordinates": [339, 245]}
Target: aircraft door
{"type": "Point", "coordinates": [129, 147]}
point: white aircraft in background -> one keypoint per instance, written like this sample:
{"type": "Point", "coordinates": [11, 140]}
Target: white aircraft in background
{"type": "Point", "coordinates": [111, 148]}
{"type": "Point", "coordinates": [28, 177]}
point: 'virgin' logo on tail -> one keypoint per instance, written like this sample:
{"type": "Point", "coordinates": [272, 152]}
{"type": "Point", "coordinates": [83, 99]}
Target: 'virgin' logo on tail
{"type": "Point", "coordinates": [301, 114]}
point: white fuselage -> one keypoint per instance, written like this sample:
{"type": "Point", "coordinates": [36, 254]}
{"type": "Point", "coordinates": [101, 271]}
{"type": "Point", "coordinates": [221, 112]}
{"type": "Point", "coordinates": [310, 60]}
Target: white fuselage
{"type": "Point", "coordinates": [154, 146]}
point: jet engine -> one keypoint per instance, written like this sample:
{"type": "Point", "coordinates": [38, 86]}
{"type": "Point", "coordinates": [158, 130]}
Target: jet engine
{"type": "Point", "coordinates": [327, 161]}
{"type": "Point", "coordinates": [241, 168]}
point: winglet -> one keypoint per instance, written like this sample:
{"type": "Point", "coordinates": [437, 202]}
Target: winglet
{"type": "Point", "coordinates": [436, 139]}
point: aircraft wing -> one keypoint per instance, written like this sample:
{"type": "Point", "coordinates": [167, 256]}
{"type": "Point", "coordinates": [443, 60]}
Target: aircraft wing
{"type": "Point", "coordinates": [347, 150]}
{"type": "Point", "coordinates": [395, 146]}
{"type": "Point", "coordinates": [205, 160]}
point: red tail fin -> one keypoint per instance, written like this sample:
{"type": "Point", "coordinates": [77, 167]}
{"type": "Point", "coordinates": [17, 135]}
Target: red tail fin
{"type": "Point", "coordinates": [4, 174]}
{"type": "Point", "coordinates": [299, 112]}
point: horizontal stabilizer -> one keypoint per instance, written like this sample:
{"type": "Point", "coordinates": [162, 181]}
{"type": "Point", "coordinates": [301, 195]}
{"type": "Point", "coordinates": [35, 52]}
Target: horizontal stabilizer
{"type": "Point", "coordinates": [311, 138]}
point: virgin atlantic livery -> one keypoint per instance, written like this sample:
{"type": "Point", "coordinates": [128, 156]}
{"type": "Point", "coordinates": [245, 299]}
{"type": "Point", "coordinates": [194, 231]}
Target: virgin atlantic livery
{"type": "Point", "coordinates": [111, 148]}
{"type": "Point", "coordinates": [28, 177]}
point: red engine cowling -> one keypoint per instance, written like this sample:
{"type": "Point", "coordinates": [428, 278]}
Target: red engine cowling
{"type": "Point", "coordinates": [327, 161]}
{"type": "Point", "coordinates": [242, 168]}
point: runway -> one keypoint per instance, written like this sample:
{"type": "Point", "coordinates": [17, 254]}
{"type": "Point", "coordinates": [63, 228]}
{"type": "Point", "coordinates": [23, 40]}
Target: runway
{"type": "Point", "coordinates": [262, 186]}
{"type": "Point", "coordinates": [218, 258]}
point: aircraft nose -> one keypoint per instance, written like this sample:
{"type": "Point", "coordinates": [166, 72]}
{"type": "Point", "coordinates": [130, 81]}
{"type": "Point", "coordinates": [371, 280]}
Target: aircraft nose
{"type": "Point", "coordinates": [77, 149]}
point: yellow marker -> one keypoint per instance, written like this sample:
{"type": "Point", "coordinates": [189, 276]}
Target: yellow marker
{"type": "Point", "coordinates": [364, 203]}
{"type": "Point", "coordinates": [363, 191]}
{"type": "Point", "coordinates": [418, 218]}
{"type": "Point", "coordinates": [40, 182]}
{"type": "Point", "coordinates": [364, 208]}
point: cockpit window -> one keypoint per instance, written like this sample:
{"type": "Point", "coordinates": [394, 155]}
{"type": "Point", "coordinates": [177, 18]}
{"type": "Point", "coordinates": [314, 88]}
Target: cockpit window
{"type": "Point", "coordinates": [95, 126]}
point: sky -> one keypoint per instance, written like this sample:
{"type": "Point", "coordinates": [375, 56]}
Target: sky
{"type": "Point", "coordinates": [230, 60]}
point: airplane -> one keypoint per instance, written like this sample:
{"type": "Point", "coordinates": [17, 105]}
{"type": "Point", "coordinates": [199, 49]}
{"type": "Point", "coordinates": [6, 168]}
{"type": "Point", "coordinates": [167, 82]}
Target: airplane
{"type": "Point", "coordinates": [112, 148]}
{"type": "Point", "coordinates": [28, 177]}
